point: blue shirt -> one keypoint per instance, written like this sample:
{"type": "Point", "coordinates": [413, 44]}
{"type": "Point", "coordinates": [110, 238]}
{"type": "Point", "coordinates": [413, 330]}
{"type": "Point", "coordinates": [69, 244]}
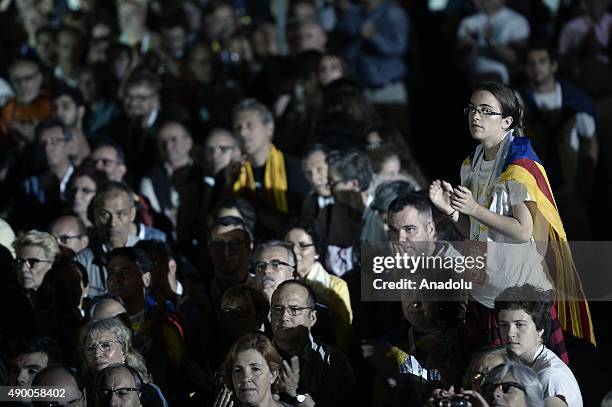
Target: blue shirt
{"type": "Point", "coordinates": [380, 59]}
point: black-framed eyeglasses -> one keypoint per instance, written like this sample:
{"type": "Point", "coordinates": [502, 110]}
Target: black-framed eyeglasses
{"type": "Point", "coordinates": [105, 161]}
{"type": "Point", "coordinates": [122, 392]}
{"type": "Point", "coordinates": [506, 387]}
{"type": "Point", "coordinates": [274, 264]}
{"type": "Point", "coordinates": [223, 149]}
{"type": "Point", "coordinates": [477, 377]}
{"type": "Point", "coordinates": [483, 111]}
{"type": "Point", "coordinates": [71, 403]}
{"type": "Point", "coordinates": [291, 310]}
{"type": "Point", "coordinates": [30, 261]}
{"type": "Point", "coordinates": [65, 239]}
{"type": "Point", "coordinates": [300, 245]}
{"type": "Point", "coordinates": [51, 141]}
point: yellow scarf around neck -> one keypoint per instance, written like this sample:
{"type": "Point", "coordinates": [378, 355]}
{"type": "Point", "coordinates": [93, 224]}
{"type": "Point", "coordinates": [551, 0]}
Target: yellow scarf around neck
{"type": "Point", "coordinates": [275, 179]}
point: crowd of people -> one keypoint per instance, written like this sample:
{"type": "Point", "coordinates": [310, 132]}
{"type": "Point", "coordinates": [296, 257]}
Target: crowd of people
{"type": "Point", "coordinates": [185, 187]}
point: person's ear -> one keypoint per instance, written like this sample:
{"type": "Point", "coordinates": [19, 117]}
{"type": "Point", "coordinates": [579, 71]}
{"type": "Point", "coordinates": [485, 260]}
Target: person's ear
{"type": "Point", "coordinates": [146, 279]}
{"type": "Point", "coordinates": [121, 170]}
{"type": "Point", "coordinates": [86, 291]}
{"type": "Point", "coordinates": [431, 230]}
{"type": "Point", "coordinates": [270, 130]}
{"type": "Point", "coordinates": [507, 122]}
{"type": "Point", "coordinates": [133, 213]}
{"type": "Point", "coordinates": [85, 239]}
{"type": "Point", "coordinates": [554, 66]}
{"type": "Point", "coordinates": [313, 317]}
{"type": "Point", "coordinates": [274, 376]}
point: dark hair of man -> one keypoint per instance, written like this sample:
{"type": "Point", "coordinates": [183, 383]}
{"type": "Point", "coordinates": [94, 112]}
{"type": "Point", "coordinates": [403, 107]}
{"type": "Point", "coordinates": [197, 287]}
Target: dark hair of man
{"type": "Point", "coordinates": [309, 226]}
{"type": "Point", "coordinates": [49, 370]}
{"type": "Point", "coordinates": [61, 89]}
{"type": "Point", "coordinates": [65, 263]}
{"type": "Point", "coordinates": [278, 243]}
{"type": "Point", "coordinates": [155, 248]}
{"type": "Point", "coordinates": [252, 296]}
{"type": "Point", "coordinates": [112, 187]}
{"type": "Point", "coordinates": [351, 164]}
{"type": "Point", "coordinates": [244, 207]}
{"type": "Point", "coordinates": [111, 144]}
{"type": "Point", "coordinates": [315, 148]}
{"type": "Point", "coordinates": [232, 221]}
{"type": "Point", "coordinates": [144, 77]}
{"type": "Point", "coordinates": [417, 200]}
{"type": "Point", "coordinates": [98, 177]}
{"type": "Point", "coordinates": [135, 255]}
{"type": "Point", "coordinates": [175, 19]}
{"type": "Point", "coordinates": [387, 192]}
{"type": "Point", "coordinates": [104, 373]}
{"type": "Point", "coordinates": [51, 123]}
{"type": "Point", "coordinates": [311, 300]}
{"type": "Point", "coordinates": [246, 105]}
{"type": "Point", "coordinates": [535, 301]}
{"type": "Point", "coordinates": [23, 60]}
{"type": "Point", "coordinates": [541, 44]}
{"type": "Point", "coordinates": [35, 344]}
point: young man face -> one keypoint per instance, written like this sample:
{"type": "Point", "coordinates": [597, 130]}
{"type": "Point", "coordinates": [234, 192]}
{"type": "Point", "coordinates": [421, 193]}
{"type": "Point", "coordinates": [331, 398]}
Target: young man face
{"type": "Point", "coordinates": [66, 109]}
{"type": "Point", "coordinates": [55, 144]}
{"type": "Point", "coordinates": [539, 68]}
{"type": "Point", "coordinates": [220, 149]}
{"type": "Point", "coordinates": [174, 144]}
{"type": "Point", "coordinates": [140, 100]}
{"type": "Point", "coordinates": [26, 80]}
{"type": "Point", "coordinates": [105, 159]}
{"type": "Point", "coordinates": [25, 366]}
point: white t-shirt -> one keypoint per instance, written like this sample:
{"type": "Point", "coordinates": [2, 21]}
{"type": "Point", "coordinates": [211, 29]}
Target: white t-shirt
{"type": "Point", "coordinates": [585, 123]}
{"type": "Point", "coordinates": [509, 263]}
{"type": "Point", "coordinates": [507, 26]}
{"type": "Point", "coordinates": [556, 377]}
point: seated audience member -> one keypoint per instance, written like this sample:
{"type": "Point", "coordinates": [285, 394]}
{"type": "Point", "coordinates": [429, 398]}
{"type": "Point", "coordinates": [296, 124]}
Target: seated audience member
{"type": "Point", "coordinates": [69, 108]}
{"type": "Point", "coordinates": [104, 342]}
{"type": "Point", "coordinates": [239, 208]}
{"type": "Point", "coordinates": [221, 148]}
{"type": "Point", "coordinates": [330, 290]}
{"type": "Point", "coordinates": [42, 197]}
{"type": "Point", "coordinates": [312, 368]}
{"type": "Point", "coordinates": [29, 356]}
{"type": "Point", "coordinates": [273, 262]}
{"type": "Point", "coordinates": [113, 213]}
{"type": "Point", "coordinates": [524, 323]}
{"type": "Point", "coordinates": [555, 106]}
{"type": "Point", "coordinates": [122, 384]}
{"type": "Point", "coordinates": [253, 370]}
{"type": "Point", "coordinates": [82, 187]}
{"type": "Point", "coordinates": [59, 377]}
{"type": "Point", "coordinates": [273, 181]}
{"type": "Point", "coordinates": [331, 68]}
{"type": "Point", "coordinates": [107, 306]}
{"type": "Point", "coordinates": [166, 286]}
{"type": "Point", "coordinates": [376, 42]}
{"type": "Point", "coordinates": [375, 226]}
{"type": "Point", "coordinates": [482, 362]}
{"type": "Point", "coordinates": [584, 50]}
{"type": "Point", "coordinates": [488, 42]}
{"type": "Point", "coordinates": [349, 177]}
{"type": "Point", "coordinates": [35, 253]}
{"type": "Point", "coordinates": [70, 233]}
{"type": "Point", "coordinates": [244, 310]}
{"type": "Point", "coordinates": [508, 384]}
{"type": "Point", "coordinates": [30, 106]}
{"type": "Point", "coordinates": [315, 169]}
{"type": "Point", "coordinates": [229, 246]}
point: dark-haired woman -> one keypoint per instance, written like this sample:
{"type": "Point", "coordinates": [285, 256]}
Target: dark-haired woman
{"type": "Point", "coordinates": [505, 203]}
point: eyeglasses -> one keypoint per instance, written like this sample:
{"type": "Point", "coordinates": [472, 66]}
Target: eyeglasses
{"type": "Point", "coordinates": [105, 347]}
{"type": "Point", "coordinates": [477, 377]}
{"type": "Point", "coordinates": [105, 161]}
{"type": "Point", "coordinates": [122, 392]}
{"type": "Point", "coordinates": [139, 98]}
{"type": "Point", "coordinates": [84, 190]}
{"type": "Point", "coordinates": [213, 149]}
{"type": "Point", "coordinates": [235, 312]}
{"type": "Point", "coordinates": [506, 387]}
{"type": "Point", "coordinates": [301, 246]}
{"type": "Point", "coordinates": [232, 245]}
{"type": "Point", "coordinates": [30, 261]}
{"type": "Point", "coordinates": [261, 266]}
{"type": "Point", "coordinates": [65, 239]}
{"type": "Point", "coordinates": [291, 310]}
{"type": "Point", "coordinates": [71, 403]}
{"type": "Point", "coordinates": [483, 111]}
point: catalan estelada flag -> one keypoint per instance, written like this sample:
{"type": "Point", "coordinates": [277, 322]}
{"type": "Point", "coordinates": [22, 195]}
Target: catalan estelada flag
{"type": "Point", "coordinates": [523, 165]}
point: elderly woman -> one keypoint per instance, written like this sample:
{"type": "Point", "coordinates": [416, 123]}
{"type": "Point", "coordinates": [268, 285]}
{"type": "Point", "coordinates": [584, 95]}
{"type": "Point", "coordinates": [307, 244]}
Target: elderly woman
{"type": "Point", "coordinates": [104, 342]}
{"type": "Point", "coordinates": [524, 323]}
{"type": "Point", "coordinates": [253, 368]}
{"type": "Point", "coordinates": [35, 253]}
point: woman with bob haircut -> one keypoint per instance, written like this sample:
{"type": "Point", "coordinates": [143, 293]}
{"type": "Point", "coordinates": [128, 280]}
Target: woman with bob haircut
{"type": "Point", "coordinates": [505, 207]}
{"type": "Point", "coordinates": [35, 253]}
{"type": "Point", "coordinates": [253, 367]}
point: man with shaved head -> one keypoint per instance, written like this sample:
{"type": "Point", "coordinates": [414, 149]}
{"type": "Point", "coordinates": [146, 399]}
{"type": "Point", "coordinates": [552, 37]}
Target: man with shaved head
{"type": "Point", "coordinates": [66, 379]}
{"type": "Point", "coordinates": [70, 232]}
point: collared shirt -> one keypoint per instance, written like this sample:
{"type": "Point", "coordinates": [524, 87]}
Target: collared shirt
{"type": "Point", "coordinates": [379, 60]}
{"type": "Point", "coordinates": [326, 375]}
{"type": "Point", "coordinates": [64, 181]}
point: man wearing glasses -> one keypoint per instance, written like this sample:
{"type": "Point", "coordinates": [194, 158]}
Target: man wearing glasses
{"type": "Point", "coordinates": [313, 372]}
{"type": "Point", "coordinates": [273, 262]}
{"type": "Point", "coordinates": [70, 233]}
{"type": "Point", "coordinates": [118, 385]}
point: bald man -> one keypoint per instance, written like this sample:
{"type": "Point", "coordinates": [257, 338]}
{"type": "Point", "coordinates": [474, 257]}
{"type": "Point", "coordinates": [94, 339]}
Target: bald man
{"type": "Point", "coordinates": [60, 377]}
{"type": "Point", "coordinates": [70, 232]}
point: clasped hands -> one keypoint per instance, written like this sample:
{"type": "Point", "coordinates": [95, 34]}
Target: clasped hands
{"type": "Point", "coordinates": [449, 199]}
